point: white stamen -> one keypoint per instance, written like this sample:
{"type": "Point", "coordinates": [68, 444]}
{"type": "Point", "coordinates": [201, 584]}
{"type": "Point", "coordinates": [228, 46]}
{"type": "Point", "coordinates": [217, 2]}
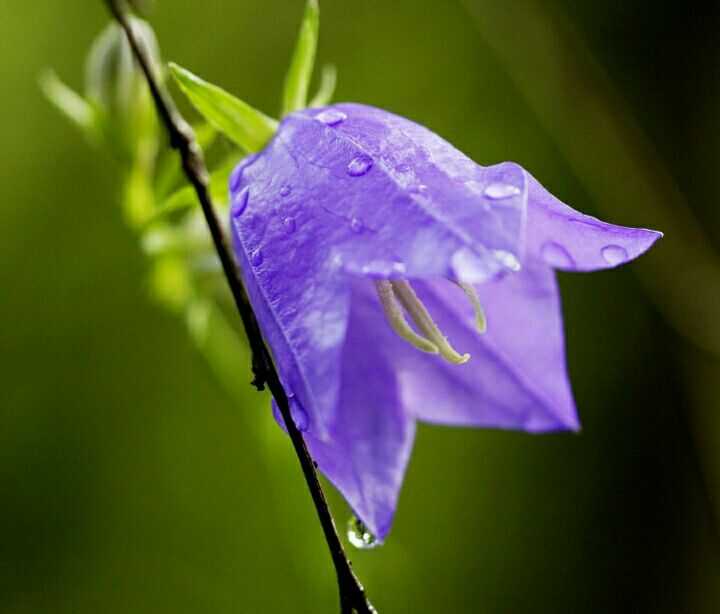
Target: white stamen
{"type": "Point", "coordinates": [480, 319]}
{"type": "Point", "coordinates": [424, 322]}
{"type": "Point", "coordinates": [396, 317]}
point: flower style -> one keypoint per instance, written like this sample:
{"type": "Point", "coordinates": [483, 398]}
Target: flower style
{"type": "Point", "coordinates": [374, 253]}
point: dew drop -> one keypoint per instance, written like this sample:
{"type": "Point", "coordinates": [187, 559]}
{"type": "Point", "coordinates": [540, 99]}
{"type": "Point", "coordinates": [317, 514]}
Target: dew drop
{"type": "Point", "coordinates": [556, 255]}
{"type": "Point", "coordinates": [331, 117]}
{"type": "Point", "coordinates": [299, 415]}
{"type": "Point", "coordinates": [403, 168]}
{"type": "Point", "coordinates": [360, 165]}
{"type": "Point", "coordinates": [285, 190]}
{"type": "Point", "coordinates": [507, 259]}
{"type": "Point", "coordinates": [359, 535]}
{"type": "Point", "coordinates": [471, 267]}
{"type": "Point", "coordinates": [289, 224]}
{"type": "Point", "coordinates": [256, 258]}
{"type": "Point", "coordinates": [236, 177]}
{"type": "Point", "coordinates": [240, 201]}
{"type": "Point", "coordinates": [501, 191]}
{"type": "Point", "coordinates": [614, 254]}
{"type": "Point", "coordinates": [399, 268]}
{"type": "Point", "coordinates": [356, 224]}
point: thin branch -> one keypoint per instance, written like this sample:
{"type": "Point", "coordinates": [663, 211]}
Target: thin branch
{"type": "Point", "coordinates": [182, 139]}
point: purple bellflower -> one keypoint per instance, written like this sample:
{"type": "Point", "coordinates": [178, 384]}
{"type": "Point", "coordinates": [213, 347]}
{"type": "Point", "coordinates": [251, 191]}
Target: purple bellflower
{"type": "Point", "coordinates": [396, 280]}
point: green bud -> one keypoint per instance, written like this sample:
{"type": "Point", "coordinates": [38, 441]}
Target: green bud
{"type": "Point", "coordinates": [115, 85]}
{"type": "Point", "coordinates": [113, 79]}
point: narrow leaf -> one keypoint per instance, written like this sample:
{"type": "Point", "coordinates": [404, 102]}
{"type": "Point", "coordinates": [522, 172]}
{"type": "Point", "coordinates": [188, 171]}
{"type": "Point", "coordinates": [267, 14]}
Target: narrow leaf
{"type": "Point", "coordinates": [298, 78]}
{"type": "Point", "coordinates": [69, 103]}
{"type": "Point", "coordinates": [326, 91]}
{"type": "Point", "coordinates": [249, 128]}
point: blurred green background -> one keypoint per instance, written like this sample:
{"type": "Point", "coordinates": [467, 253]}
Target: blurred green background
{"type": "Point", "coordinates": [130, 481]}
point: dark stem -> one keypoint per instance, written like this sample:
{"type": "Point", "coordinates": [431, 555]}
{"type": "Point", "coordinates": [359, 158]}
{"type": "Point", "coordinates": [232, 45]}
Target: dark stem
{"type": "Point", "coordinates": [352, 594]}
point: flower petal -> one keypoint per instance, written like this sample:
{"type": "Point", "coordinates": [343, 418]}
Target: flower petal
{"type": "Point", "coordinates": [568, 240]}
{"type": "Point", "coordinates": [302, 307]}
{"type": "Point", "coordinates": [381, 196]}
{"type": "Point", "coordinates": [516, 377]}
{"type": "Point", "coordinates": [342, 190]}
{"type": "Point", "coordinates": [444, 214]}
{"type": "Point", "coordinates": [369, 443]}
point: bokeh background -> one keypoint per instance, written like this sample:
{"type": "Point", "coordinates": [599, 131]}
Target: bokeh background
{"type": "Point", "coordinates": [131, 481]}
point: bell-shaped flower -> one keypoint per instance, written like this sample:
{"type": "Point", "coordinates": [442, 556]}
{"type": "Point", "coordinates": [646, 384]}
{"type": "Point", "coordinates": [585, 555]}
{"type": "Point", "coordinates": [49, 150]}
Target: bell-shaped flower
{"type": "Point", "coordinates": [395, 280]}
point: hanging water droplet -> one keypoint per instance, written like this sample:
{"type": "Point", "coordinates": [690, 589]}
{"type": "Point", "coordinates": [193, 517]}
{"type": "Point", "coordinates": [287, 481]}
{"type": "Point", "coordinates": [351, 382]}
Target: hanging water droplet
{"type": "Point", "coordinates": [556, 255]}
{"type": "Point", "coordinates": [289, 224]}
{"type": "Point", "coordinates": [501, 191]}
{"type": "Point", "coordinates": [356, 224]}
{"type": "Point", "coordinates": [285, 190]}
{"type": "Point", "coordinates": [331, 117]}
{"type": "Point", "coordinates": [298, 413]}
{"type": "Point", "coordinates": [614, 254]}
{"type": "Point", "coordinates": [359, 535]}
{"type": "Point", "coordinates": [360, 165]}
{"type": "Point", "coordinates": [240, 201]}
{"type": "Point", "coordinates": [256, 258]}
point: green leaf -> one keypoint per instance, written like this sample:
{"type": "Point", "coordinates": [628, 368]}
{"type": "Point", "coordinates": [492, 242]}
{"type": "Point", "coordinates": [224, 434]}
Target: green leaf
{"type": "Point", "coordinates": [298, 78]}
{"type": "Point", "coordinates": [249, 128]}
{"type": "Point", "coordinates": [138, 196]}
{"type": "Point", "coordinates": [326, 91]}
{"type": "Point", "coordinates": [70, 103]}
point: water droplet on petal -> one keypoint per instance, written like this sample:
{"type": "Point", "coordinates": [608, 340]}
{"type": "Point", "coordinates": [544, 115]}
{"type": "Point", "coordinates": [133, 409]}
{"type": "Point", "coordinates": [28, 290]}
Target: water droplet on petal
{"type": "Point", "coordinates": [399, 268]}
{"type": "Point", "coordinates": [356, 224]}
{"type": "Point", "coordinates": [469, 266]}
{"type": "Point", "coordinates": [289, 224]}
{"type": "Point", "coordinates": [420, 188]}
{"type": "Point", "coordinates": [508, 259]}
{"type": "Point", "coordinates": [359, 536]}
{"type": "Point", "coordinates": [614, 254]}
{"type": "Point", "coordinates": [501, 191]}
{"type": "Point", "coordinates": [240, 201]}
{"type": "Point", "coordinates": [235, 178]}
{"type": "Point", "coordinates": [256, 258]}
{"type": "Point", "coordinates": [403, 168]}
{"type": "Point", "coordinates": [360, 165]}
{"type": "Point", "coordinates": [285, 190]}
{"type": "Point", "coordinates": [331, 117]}
{"type": "Point", "coordinates": [298, 413]}
{"type": "Point", "coordinates": [556, 255]}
